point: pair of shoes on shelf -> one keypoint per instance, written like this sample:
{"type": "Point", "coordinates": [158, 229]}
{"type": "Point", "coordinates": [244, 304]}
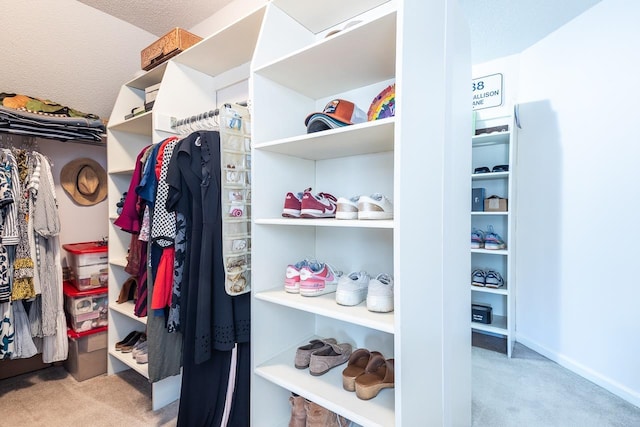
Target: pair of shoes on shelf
{"type": "Point", "coordinates": [305, 413]}
{"type": "Point", "coordinates": [140, 352]}
{"type": "Point", "coordinates": [321, 355]}
{"type": "Point", "coordinates": [486, 239]}
{"type": "Point", "coordinates": [367, 373]}
{"type": "Point", "coordinates": [130, 345]}
{"type": "Point", "coordinates": [358, 286]}
{"type": "Point", "coordinates": [375, 206]}
{"type": "Point", "coordinates": [308, 205]}
{"type": "Point", "coordinates": [496, 168]}
{"type": "Point", "coordinates": [488, 278]}
{"type": "Point", "coordinates": [311, 278]}
{"type": "Point", "coordinates": [129, 341]}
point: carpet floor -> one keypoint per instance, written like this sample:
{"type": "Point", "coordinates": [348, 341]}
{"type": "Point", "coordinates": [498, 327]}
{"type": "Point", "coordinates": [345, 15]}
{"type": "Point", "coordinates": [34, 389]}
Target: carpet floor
{"type": "Point", "coordinates": [527, 390]}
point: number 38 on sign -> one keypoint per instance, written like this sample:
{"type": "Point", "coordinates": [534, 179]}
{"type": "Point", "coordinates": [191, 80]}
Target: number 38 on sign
{"type": "Point", "coordinates": [487, 91]}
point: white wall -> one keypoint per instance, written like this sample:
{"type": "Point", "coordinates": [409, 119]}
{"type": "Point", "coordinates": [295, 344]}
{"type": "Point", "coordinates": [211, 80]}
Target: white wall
{"type": "Point", "coordinates": [579, 187]}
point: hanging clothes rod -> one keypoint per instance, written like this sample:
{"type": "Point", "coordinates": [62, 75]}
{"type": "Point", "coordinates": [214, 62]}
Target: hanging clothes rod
{"type": "Point", "coordinates": [202, 121]}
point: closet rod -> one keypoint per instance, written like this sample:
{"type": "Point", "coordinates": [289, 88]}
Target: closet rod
{"type": "Point", "coordinates": [202, 119]}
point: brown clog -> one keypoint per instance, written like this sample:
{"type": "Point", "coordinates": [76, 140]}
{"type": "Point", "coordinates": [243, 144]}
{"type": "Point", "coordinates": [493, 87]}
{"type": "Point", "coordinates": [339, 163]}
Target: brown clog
{"type": "Point", "coordinates": [355, 367]}
{"type": "Point", "coordinates": [379, 374]}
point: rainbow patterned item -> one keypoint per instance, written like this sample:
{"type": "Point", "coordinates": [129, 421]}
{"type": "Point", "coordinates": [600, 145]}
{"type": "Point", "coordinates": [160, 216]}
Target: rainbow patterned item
{"type": "Point", "coordinates": [383, 105]}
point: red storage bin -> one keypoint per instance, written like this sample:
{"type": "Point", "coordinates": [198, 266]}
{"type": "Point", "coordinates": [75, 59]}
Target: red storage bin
{"type": "Point", "coordinates": [88, 264]}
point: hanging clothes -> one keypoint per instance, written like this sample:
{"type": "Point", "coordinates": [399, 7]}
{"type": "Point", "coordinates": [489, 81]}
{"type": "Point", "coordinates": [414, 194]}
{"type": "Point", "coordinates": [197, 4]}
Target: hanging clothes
{"type": "Point", "coordinates": [211, 320]}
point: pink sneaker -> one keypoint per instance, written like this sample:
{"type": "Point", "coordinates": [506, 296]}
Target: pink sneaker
{"type": "Point", "coordinates": [293, 204]}
{"type": "Point", "coordinates": [318, 278]}
{"type": "Point", "coordinates": [322, 205]}
{"type": "Point", "coordinates": [292, 276]}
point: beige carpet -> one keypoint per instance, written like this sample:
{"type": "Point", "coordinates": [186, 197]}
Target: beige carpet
{"type": "Point", "coordinates": [52, 397]}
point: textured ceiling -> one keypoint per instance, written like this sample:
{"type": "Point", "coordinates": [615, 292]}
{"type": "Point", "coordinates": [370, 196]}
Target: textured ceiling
{"type": "Point", "coordinates": [159, 16]}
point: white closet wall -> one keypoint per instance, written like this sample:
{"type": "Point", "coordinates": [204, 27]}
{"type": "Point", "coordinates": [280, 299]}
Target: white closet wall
{"type": "Point", "coordinates": [578, 197]}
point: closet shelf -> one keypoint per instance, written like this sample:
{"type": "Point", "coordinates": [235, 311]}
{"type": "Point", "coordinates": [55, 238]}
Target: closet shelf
{"type": "Point", "coordinates": [489, 213]}
{"type": "Point", "coordinates": [490, 175]}
{"type": "Point", "coordinates": [127, 359]}
{"type": "Point", "coordinates": [490, 251]}
{"type": "Point", "coordinates": [491, 139]}
{"type": "Point", "coordinates": [499, 291]}
{"type": "Point", "coordinates": [498, 326]}
{"type": "Point", "coordinates": [148, 78]}
{"type": "Point", "coordinates": [140, 125]}
{"type": "Point", "coordinates": [126, 309]}
{"type": "Point", "coordinates": [325, 305]}
{"type": "Point", "coordinates": [307, 71]}
{"type": "Point", "coordinates": [326, 390]}
{"type": "Point", "coordinates": [326, 222]}
{"type": "Point", "coordinates": [228, 48]}
{"type": "Point", "coordinates": [314, 16]}
{"type": "Point", "coordinates": [364, 138]}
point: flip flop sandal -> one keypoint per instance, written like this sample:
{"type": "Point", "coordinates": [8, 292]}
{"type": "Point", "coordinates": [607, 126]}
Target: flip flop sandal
{"type": "Point", "coordinates": [482, 169]}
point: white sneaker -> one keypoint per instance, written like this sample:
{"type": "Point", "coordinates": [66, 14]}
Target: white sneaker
{"type": "Point", "coordinates": [347, 208]}
{"type": "Point", "coordinates": [352, 289]}
{"type": "Point", "coordinates": [375, 206]}
{"type": "Point", "coordinates": [318, 278]}
{"type": "Point", "coordinates": [380, 294]}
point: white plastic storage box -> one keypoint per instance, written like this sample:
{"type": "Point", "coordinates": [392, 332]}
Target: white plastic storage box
{"type": "Point", "coordinates": [88, 264]}
{"type": "Point", "coordinates": [87, 354]}
{"type": "Point", "coordinates": [86, 310]}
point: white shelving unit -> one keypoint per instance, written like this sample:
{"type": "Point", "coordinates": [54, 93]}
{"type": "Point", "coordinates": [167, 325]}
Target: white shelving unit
{"type": "Point", "coordinates": [420, 159]}
{"type": "Point", "coordinates": [202, 78]}
{"type": "Point", "coordinates": [497, 148]}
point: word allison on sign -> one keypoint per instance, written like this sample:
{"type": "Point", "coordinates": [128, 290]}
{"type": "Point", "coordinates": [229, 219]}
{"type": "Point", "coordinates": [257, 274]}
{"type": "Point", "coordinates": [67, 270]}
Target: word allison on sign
{"type": "Point", "coordinates": [487, 91]}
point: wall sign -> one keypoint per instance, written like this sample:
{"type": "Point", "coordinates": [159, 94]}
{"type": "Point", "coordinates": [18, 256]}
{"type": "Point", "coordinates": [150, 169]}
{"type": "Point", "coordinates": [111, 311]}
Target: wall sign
{"type": "Point", "coordinates": [487, 91]}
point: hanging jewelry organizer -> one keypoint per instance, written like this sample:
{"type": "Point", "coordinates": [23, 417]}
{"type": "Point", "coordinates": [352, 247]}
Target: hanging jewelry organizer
{"type": "Point", "coordinates": [235, 156]}
{"type": "Point", "coordinates": [234, 124]}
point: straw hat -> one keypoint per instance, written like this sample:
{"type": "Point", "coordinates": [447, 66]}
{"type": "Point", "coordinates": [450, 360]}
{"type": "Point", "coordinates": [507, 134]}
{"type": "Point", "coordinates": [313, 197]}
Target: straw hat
{"type": "Point", "coordinates": [85, 181]}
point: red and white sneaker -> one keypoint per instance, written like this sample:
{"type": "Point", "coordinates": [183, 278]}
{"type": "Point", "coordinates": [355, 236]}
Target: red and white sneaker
{"type": "Point", "coordinates": [322, 205]}
{"type": "Point", "coordinates": [318, 278]}
{"type": "Point", "coordinates": [293, 204]}
{"type": "Point", "coordinates": [292, 276]}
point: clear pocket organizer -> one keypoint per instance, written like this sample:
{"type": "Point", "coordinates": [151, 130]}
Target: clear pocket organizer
{"type": "Point", "coordinates": [235, 157]}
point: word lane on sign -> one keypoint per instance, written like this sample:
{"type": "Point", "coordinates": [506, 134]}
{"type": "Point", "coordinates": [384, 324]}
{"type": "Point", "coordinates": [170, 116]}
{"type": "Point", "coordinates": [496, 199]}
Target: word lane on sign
{"type": "Point", "coordinates": [487, 91]}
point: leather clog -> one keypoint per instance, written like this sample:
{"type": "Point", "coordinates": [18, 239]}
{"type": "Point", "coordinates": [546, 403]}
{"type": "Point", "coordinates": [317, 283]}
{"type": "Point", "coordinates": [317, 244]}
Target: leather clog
{"type": "Point", "coordinates": [356, 365]}
{"type": "Point", "coordinates": [379, 374]}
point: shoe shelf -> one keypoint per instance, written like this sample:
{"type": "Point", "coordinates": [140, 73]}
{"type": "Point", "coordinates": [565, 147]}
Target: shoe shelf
{"type": "Point", "coordinates": [497, 326]}
{"type": "Point", "coordinates": [489, 175]}
{"type": "Point", "coordinates": [126, 309]}
{"type": "Point", "coordinates": [489, 213]}
{"type": "Point", "coordinates": [490, 251]}
{"type": "Point", "coordinates": [325, 305]}
{"type": "Point", "coordinates": [127, 359]}
{"type": "Point", "coordinates": [326, 390]}
{"type": "Point", "coordinates": [363, 138]}
{"type": "Point", "coordinates": [489, 150]}
{"type": "Point", "coordinates": [495, 138]}
{"type": "Point", "coordinates": [498, 291]}
{"type": "Point", "coordinates": [330, 222]}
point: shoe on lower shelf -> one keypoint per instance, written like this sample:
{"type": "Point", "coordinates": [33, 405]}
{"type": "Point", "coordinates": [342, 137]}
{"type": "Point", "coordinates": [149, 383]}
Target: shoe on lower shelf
{"type": "Point", "coordinates": [327, 358]}
{"type": "Point", "coordinates": [292, 276]}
